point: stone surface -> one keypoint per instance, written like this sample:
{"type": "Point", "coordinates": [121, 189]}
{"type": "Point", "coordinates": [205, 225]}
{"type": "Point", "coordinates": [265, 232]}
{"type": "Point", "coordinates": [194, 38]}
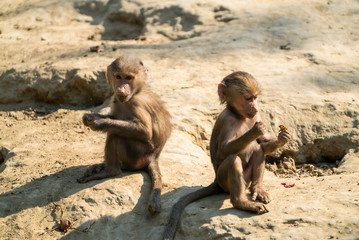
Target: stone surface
{"type": "Point", "coordinates": [304, 54]}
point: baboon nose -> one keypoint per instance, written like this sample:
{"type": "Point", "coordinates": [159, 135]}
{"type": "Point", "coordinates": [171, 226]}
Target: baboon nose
{"type": "Point", "coordinates": [120, 93]}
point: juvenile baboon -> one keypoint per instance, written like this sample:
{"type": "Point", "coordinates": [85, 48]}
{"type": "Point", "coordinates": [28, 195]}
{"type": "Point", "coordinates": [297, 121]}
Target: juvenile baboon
{"type": "Point", "coordinates": [137, 127]}
{"type": "Point", "coordinates": [238, 145]}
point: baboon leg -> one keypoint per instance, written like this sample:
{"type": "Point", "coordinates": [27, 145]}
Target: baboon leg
{"type": "Point", "coordinates": [154, 205]}
{"type": "Point", "coordinates": [230, 178]}
{"type": "Point", "coordinates": [258, 167]}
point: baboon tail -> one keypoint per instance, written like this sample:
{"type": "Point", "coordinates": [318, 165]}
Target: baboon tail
{"type": "Point", "coordinates": [177, 209]}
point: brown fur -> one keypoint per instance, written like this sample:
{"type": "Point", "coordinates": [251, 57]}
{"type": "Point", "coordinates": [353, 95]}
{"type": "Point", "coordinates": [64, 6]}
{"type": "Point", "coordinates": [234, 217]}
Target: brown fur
{"type": "Point", "coordinates": [137, 127]}
{"type": "Point", "coordinates": [238, 145]}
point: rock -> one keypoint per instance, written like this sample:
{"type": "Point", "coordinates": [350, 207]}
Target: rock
{"type": "Point", "coordinates": [350, 161]}
{"type": "Point", "coordinates": [289, 163]}
{"type": "Point", "coordinates": [56, 86]}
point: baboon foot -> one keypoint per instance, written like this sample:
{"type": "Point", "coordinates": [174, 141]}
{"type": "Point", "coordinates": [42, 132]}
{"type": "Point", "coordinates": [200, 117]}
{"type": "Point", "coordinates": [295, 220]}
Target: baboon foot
{"type": "Point", "coordinates": [260, 208]}
{"type": "Point", "coordinates": [97, 169]}
{"type": "Point", "coordinates": [154, 205]}
{"type": "Point", "coordinates": [261, 195]}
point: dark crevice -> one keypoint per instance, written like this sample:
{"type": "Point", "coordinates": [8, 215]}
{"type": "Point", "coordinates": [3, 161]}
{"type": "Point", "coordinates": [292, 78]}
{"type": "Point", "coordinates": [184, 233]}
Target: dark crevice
{"type": "Point", "coordinates": [319, 158]}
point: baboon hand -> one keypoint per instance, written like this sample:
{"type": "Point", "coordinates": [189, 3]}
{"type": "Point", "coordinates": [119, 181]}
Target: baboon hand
{"type": "Point", "coordinates": [259, 129]}
{"type": "Point", "coordinates": [91, 121]}
{"type": "Point", "coordinates": [87, 118]}
{"type": "Point", "coordinates": [283, 137]}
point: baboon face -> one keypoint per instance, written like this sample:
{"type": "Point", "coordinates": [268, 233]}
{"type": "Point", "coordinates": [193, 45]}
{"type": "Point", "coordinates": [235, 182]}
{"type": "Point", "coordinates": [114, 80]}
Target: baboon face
{"type": "Point", "coordinates": [245, 104]}
{"type": "Point", "coordinates": [123, 85]}
{"type": "Point", "coordinates": [127, 76]}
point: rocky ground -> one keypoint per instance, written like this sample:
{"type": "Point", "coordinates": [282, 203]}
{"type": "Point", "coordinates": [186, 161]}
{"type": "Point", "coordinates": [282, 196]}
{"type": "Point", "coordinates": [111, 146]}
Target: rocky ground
{"type": "Point", "coordinates": [52, 71]}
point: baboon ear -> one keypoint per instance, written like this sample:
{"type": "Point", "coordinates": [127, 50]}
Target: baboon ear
{"type": "Point", "coordinates": [147, 75]}
{"type": "Point", "coordinates": [222, 92]}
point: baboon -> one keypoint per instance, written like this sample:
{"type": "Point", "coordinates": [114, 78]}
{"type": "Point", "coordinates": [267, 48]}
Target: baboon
{"type": "Point", "coordinates": [137, 127]}
{"type": "Point", "coordinates": [238, 145]}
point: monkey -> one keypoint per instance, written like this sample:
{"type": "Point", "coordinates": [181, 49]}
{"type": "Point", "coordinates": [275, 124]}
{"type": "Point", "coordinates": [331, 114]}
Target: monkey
{"type": "Point", "coordinates": [238, 146]}
{"type": "Point", "coordinates": [137, 127]}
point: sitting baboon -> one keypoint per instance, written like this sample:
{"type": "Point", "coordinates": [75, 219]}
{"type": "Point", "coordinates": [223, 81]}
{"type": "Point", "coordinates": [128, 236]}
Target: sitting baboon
{"type": "Point", "coordinates": [137, 127]}
{"type": "Point", "coordinates": [238, 145]}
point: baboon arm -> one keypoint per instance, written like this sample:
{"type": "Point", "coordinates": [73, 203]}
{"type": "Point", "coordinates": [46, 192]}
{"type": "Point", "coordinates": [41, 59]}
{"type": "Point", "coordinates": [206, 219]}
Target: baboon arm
{"type": "Point", "coordinates": [103, 115]}
{"type": "Point", "coordinates": [268, 143]}
{"type": "Point", "coordinates": [269, 146]}
{"type": "Point", "coordinates": [236, 146]}
{"type": "Point", "coordinates": [129, 129]}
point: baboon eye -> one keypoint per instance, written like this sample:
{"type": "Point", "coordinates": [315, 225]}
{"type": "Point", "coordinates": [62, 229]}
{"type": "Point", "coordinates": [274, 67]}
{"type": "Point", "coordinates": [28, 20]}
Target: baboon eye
{"type": "Point", "coordinates": [118, 77]}
{"type": "Point", "coordinates": [129, 78]}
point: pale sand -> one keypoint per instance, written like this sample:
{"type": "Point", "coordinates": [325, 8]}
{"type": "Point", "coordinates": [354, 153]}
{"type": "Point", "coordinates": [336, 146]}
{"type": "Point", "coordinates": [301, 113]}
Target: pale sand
{"type": "Point", "coordinates": [311, 86]}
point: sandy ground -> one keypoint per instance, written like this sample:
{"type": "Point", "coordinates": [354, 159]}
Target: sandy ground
{"type": "Point", "coordinates": [305, 54]}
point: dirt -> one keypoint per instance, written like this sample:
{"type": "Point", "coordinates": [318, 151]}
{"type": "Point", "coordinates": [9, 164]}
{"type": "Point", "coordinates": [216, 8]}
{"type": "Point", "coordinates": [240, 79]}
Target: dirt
{"type": "Point", "coordinates": [52, 71]}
